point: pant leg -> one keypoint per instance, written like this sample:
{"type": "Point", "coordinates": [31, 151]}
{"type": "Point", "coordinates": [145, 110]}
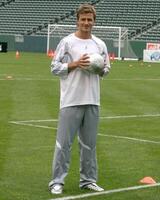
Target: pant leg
{"type": "Point", "coordinates": [87, 142]}
{"type": "Point", "coordinates": [69, 122]}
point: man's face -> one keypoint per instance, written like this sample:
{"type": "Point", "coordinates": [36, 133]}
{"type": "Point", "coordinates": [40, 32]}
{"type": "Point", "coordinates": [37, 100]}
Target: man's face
{"type": "Point", "coordinates": [85, 22]}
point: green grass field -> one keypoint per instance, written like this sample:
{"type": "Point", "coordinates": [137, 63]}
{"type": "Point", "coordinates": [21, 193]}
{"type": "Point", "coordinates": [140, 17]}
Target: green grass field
{"type": "Point", "coordinates": [128, 146]}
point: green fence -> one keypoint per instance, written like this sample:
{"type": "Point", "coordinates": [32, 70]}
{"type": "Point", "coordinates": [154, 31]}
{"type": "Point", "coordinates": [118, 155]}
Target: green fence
{"type": "Point", "coordinates": [129, 49]}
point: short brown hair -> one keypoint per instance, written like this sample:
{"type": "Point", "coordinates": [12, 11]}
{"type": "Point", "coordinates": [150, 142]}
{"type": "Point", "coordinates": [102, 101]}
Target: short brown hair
{"type": "Point", "coordinates": [86, 8]}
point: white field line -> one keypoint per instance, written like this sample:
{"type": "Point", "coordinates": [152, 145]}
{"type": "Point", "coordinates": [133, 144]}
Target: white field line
{"type": "Point", "coordinates": [130, 116]}
{"type": "Point", "coordinates": [53, 79]}
{"type": "Point", "coordinates": [36, 120]}
{"type": "Point", "coordinates": [27, 79]}
{"type": "Point", "coordinates": [100, 134]}
{"type": "Point", "coordinates": [28, 123]}
{"type": "Point", "coordinates": [134, 79]}
{"type": "Point", "coordinates": [129, 138]}
{"type": "Point", "coordinates": [33, 125]}
{"type": "Point", "coordinates": [103, 117]}
{"type": "Point", "coordinates": [133, 188]}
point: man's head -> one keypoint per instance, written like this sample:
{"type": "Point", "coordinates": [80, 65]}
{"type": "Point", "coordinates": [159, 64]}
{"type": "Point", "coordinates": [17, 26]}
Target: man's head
{"type": "Point", "coordinates": [85, 9]}
{"type": "Point", "coordinates": [86, 16]}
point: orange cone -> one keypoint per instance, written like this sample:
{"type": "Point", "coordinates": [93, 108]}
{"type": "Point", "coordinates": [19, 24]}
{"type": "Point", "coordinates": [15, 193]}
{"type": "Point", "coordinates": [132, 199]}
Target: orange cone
{"type": "Point", "coordinates": [147, 180]}
{"type": "Point", "coordinates": [111, 56]}
{"type": "Point", "coordinates": [17, 54]}
{"type": "Point", "coordinates": [51, 53]}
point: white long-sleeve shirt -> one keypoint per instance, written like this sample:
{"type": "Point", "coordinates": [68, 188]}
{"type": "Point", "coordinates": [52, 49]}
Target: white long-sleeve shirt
{"type": "Point", "coordinates": [78, 87]}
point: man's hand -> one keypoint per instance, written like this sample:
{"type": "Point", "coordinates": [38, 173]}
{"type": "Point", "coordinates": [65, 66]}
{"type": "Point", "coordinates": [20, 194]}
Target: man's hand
{"type": "Point", "coordinates": [83, 63]}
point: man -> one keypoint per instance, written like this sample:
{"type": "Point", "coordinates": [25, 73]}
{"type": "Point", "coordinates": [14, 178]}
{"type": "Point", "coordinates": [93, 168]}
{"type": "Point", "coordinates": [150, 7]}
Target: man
{"type": "Point", "coordinates": [79, 101]}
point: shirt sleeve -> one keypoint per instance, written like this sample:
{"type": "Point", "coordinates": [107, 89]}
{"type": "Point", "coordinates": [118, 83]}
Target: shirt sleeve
{"type": "Point", "coordinates": [107, 65]}
{"type": "Point", "coordinates": [59, 64]}
{"type": "Point", "coordinates": [104, 52]}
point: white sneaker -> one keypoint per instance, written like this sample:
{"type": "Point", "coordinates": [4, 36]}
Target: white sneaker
{"type": "Point", "coordinates": [94, 187]}
{"type": "Point", "coordinates": [56, 189]}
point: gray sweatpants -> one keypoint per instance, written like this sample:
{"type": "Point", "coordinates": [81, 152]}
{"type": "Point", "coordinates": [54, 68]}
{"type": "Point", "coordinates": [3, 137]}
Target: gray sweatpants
{"type": "Point", "coordinates": [83, 120]}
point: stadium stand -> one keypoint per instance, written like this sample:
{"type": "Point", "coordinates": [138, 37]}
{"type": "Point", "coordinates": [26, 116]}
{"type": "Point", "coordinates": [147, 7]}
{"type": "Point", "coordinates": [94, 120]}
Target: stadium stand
{"type": "Point", "coordinates": [31, 17]}
{"type": "Point", "coordinates": [25, 17]}
{"type": "Point", "coordinates": [139, 16]}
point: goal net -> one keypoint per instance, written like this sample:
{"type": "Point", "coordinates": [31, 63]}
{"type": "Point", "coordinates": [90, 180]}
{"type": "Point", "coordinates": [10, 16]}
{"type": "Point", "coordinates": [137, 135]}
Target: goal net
{"type": "Point", "coordinates": [116, 38]}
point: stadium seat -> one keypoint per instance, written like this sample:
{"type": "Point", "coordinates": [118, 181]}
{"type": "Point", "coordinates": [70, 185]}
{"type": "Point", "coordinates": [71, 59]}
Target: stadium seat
{"type": "Point", "coordinates": [139, 16]}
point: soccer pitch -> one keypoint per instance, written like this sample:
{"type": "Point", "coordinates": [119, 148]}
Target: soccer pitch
{"type": "Point", "coordinates": [128, 142]}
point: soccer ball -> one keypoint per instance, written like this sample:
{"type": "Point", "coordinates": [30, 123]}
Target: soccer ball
{"type": "Point", "coordinates": [96, 63]}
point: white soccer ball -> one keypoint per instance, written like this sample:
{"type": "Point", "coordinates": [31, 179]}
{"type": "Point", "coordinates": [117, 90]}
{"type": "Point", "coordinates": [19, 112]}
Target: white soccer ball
{"type": "Point", "coordinates": [96, 63]}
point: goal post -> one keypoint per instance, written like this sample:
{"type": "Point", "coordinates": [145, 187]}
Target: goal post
{"type": "Point", "coordinates": [115, 37]}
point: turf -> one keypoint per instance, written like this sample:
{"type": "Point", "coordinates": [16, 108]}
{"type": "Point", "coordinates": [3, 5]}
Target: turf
{"type": "Point", "coordinates": [128, 146]}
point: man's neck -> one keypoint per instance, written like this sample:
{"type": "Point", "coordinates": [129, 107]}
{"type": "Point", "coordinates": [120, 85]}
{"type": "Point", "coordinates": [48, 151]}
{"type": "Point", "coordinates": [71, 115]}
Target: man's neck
{"type": "Point", "coordinates": [83, 35]}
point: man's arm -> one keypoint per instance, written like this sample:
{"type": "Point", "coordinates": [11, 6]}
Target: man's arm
{"type": "Point", "coordinates": [58, 66]}
{"type": "Point", "coordinates": [107, 65]}
{"type": "Point", "coordinates": [62, 63]}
